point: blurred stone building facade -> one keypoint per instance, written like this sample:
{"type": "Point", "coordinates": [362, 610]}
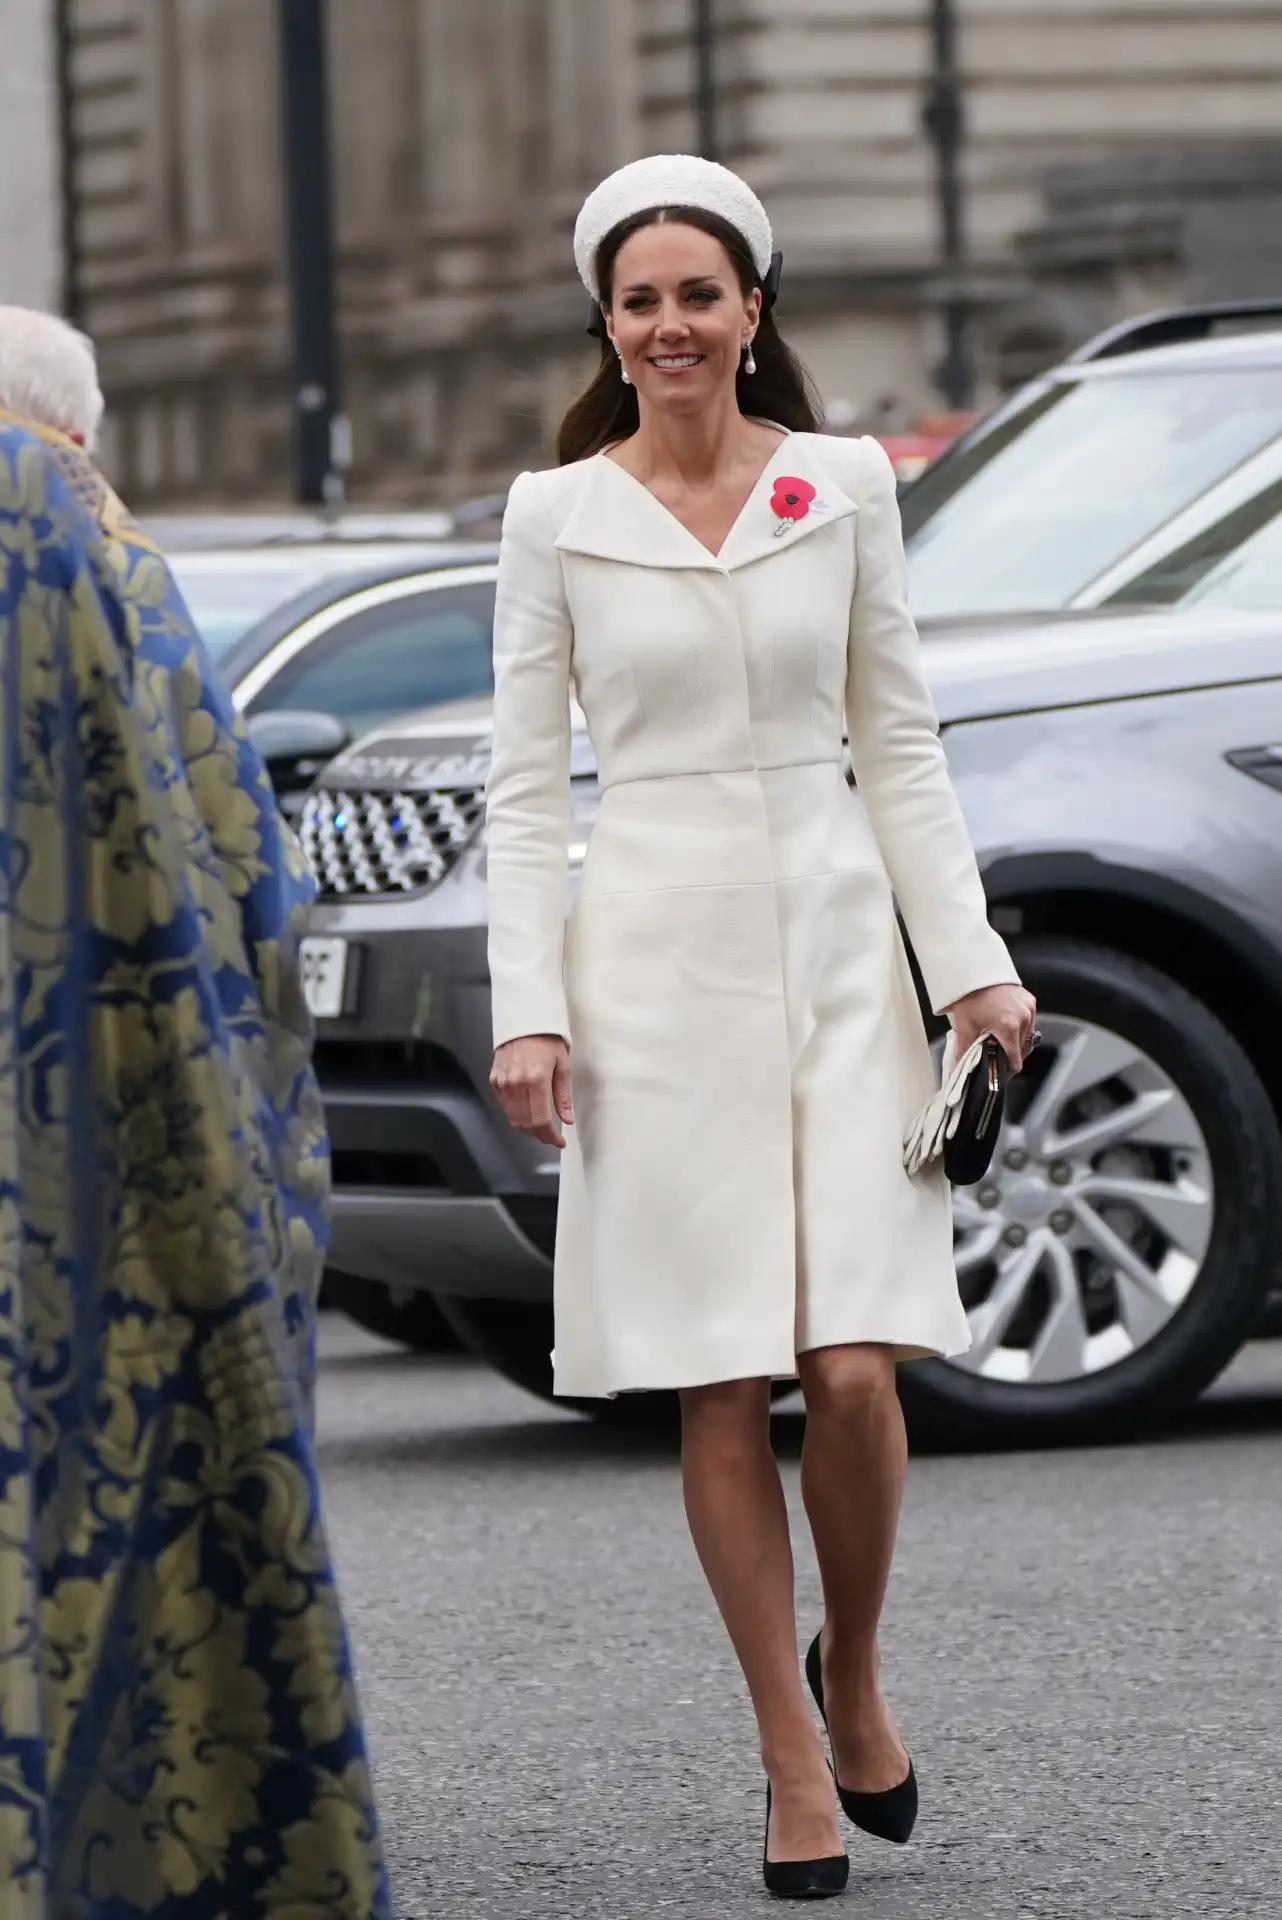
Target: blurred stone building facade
{"type": "Point", "coordinates": [1120, 153]}
{"type": "Point", "coordinates": [30, 188]}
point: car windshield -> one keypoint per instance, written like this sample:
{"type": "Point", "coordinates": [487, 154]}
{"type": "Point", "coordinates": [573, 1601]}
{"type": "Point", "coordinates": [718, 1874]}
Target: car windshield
{"type": "Point", "coordinates": [226, 594]}
{"type": "Point", "coordinates": [1065, 481]}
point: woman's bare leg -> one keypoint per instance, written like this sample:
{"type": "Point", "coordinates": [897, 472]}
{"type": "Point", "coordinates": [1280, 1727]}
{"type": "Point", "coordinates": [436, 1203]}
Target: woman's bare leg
{"type": "Point", "coordinates": [853, 1465]}
{"type": "Point", "coordinates": [739, 1522]}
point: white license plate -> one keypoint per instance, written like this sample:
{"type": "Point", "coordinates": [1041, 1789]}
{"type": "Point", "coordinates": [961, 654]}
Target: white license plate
{"type": "Point", "coordinates": [324, 970]}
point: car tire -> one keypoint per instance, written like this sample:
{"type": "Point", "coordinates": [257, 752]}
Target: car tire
{"type": "Point", "coordinates": [1270, 1327]}
{"type": "Point", "coordinates": [416, 1323]}
{"type": "Point", "coordinates": [1207, 1068]}
{"type": "Point", "coordinates": [515, 1338]}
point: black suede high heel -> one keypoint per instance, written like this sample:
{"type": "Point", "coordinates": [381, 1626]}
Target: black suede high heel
{"type": "Point", "coordinates": [890, 1815]}
{"type": "Point", "coordinates": [802, 1879]}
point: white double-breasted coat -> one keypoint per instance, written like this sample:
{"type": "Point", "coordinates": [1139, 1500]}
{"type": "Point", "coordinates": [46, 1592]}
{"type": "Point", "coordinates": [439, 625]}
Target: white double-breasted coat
{"type": "Point", "coordinates": [746, 1043]}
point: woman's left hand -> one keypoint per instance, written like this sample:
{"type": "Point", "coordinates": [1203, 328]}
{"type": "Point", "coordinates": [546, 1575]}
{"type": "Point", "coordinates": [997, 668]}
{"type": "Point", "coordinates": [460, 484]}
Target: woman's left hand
{"type": "Point", "coordinates": [1008, 1011]}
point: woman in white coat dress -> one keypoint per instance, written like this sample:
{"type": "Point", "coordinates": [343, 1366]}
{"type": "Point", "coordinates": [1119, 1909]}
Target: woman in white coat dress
{"type": "Point", "coordinates": [726, 1041]}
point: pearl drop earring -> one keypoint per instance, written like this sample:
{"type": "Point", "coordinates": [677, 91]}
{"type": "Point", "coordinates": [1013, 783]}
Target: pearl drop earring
{"type": "Point", "coordinates": [624, 375]}
{"type": "Point", "coordinates": [749, 365]}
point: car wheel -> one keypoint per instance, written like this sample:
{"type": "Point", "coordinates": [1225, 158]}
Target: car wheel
{"type": "Point", "coordinates": [1123, 1245]}
{"type": "Point", "coordinates": [515, 1338]}
{"type": "Point", "coordinates": [417, 1322]}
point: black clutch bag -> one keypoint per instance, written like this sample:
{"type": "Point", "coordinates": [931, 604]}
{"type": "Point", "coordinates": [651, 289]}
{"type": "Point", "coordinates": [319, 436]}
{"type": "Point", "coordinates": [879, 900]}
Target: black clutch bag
{"type": "Point", "coordinates": [963, 1120]}
{"type": "Point", "coordinates": [968, 1149]}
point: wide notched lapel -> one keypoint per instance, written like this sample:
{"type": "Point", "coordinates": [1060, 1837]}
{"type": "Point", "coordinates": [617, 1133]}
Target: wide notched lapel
{"type": "Point", "coordinates": [755, 534]}
{"type": "Point", "coordinates": [615, 518]}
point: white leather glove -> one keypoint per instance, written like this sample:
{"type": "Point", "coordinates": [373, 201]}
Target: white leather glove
{"type": "Point", "coordinates": [937, 1122]}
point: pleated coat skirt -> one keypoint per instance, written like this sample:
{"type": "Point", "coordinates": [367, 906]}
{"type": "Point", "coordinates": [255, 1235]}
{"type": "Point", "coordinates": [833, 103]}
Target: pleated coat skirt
{"type": "Point", "coordinates": [746, 1042]}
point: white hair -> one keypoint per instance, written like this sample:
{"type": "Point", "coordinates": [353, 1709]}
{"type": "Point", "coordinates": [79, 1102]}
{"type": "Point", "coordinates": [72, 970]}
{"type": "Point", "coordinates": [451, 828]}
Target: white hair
{"type": "Point", "coordinates": [49, 373]}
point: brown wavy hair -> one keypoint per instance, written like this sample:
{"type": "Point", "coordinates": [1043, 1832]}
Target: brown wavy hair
{"type": "Point", "coordinates": [780, 390]}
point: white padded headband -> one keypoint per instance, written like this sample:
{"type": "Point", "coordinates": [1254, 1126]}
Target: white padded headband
{"type": "Point", "coordinates": [669, 180]}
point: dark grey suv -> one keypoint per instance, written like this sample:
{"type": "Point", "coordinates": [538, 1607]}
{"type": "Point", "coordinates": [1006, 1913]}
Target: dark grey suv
{"type": "Point", "coordinates": [1117, 749]}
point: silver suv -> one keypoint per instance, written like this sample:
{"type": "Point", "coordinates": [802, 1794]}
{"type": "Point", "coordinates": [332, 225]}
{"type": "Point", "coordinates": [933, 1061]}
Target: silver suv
{"type": "Point", "coordinates": [1111, 697]}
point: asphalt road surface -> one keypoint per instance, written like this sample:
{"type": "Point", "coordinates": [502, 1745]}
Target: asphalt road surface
{"type": "Point", "coordinates": [1082, 1648]}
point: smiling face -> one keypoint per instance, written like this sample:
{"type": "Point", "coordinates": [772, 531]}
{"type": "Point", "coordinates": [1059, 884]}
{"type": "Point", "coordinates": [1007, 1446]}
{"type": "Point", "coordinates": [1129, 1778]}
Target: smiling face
{"type": "Point", "coordinates": [679, 316]}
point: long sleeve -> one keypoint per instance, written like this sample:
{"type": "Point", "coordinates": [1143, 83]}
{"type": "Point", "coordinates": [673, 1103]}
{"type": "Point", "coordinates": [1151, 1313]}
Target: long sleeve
{"type": "Point", "coordinates": [528, 792]}
{"type": "Point", "coordinates": [899, 762]}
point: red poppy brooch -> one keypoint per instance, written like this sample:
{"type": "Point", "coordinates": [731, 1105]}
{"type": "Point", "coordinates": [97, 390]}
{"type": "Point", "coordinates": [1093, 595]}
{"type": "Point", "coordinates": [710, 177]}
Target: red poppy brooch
{"type": "Point", "coordinates": [791, 501]}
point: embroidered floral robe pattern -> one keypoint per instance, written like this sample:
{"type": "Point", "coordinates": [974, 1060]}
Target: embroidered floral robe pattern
{"type": "Point", "coordinates": [179, 1733]}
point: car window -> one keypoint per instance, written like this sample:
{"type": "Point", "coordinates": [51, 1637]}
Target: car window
{"type": "Point", "coordinates": [1028, 516]}
{"type": "Point", "coordinates": [225, 601]}
{"type": "Point", "coordinates": [1247, 581]}
{"type": "Point", "coordinates": [1232, 560]}
{"type": "Point", "coordinates": [416, 651]}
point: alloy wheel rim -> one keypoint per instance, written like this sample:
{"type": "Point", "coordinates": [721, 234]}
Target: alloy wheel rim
{"type": "Point", "coordinates": [1090, 1229]}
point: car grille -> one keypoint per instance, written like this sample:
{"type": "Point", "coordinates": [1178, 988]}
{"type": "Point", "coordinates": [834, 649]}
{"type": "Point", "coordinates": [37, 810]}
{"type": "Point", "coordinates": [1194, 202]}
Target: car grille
{"type": "Point", "coordinates": [386, 843]}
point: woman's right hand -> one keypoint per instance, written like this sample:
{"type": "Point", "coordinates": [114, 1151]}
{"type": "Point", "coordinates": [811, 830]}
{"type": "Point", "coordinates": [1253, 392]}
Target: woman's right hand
{"type": "Point", "coordinates": [531, 1079]}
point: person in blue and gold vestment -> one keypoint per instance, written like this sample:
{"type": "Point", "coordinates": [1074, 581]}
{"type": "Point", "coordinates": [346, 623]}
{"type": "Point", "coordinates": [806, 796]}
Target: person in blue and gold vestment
{"type": "Point", "coordinates": [179, 1731]}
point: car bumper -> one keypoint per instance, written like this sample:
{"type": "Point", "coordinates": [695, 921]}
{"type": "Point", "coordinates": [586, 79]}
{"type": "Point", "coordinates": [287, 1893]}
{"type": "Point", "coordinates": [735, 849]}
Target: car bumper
{"type": "Point", "coordinates": [432, 1188]}
{"type": "Point", "coordinates": [428, 1192]}
{"type": "Point", "coordinates": [441, 1243]}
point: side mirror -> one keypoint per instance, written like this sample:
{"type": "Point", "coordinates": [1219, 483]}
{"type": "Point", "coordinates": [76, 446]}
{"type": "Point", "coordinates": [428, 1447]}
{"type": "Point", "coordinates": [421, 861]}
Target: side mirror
{"type": "Point", "coordinates": [295, 746]}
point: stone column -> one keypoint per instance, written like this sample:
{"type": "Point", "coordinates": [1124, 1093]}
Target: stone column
{"type": "Point", "coordinates": [30, 201]}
